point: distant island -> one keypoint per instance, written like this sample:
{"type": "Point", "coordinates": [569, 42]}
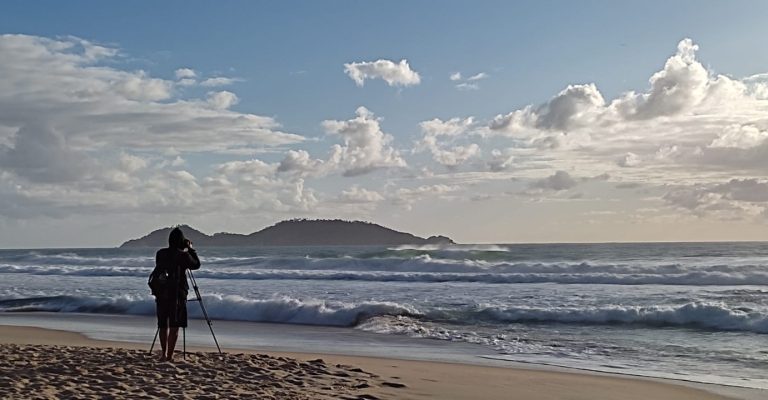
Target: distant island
{"type": "Point", "coordinates": [296, 232]}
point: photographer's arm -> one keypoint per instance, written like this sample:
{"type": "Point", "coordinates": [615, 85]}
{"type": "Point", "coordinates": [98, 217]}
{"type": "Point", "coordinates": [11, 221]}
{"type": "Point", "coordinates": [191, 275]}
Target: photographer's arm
{"type": "Point", "coordinates": [193, 262]}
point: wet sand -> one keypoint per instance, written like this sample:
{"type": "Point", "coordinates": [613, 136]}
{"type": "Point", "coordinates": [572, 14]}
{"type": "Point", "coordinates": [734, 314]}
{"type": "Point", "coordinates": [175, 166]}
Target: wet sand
{"type": "Point", "coordinates": [54, 364]}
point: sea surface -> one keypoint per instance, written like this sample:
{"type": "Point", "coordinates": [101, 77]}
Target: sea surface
{"type": "Point", "coordinates": [691, 311]}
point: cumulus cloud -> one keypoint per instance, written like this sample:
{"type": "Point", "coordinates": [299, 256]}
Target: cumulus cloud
{"type": "Point", "coordinates": [183, 73]}
{"type": "Point", "coordinates": [299, 161]}
{"type": "Point", "coordinates": [407, 197]}
{"type": "Point", "coordinates": [395, 74]}
{"type": "Point", "coordinates": [740, 137]}
{"type": "Point", "coordinates": [451, 127]}
{"type": "Point", "coordinates": [456, 155]}
{"type": "Point", "coordinates": [435, 131]}
{"type": "Point", "coordinates": [40, 153]}
{"type": "Point", "coordinates": [222, 100]}
{"type": "Point", "coordinates": [734, 199]}
{"type": "Point", "coordinates": [246, 170]}
{"type": "Point", "coordinates": [186, 82]}
{"type": "Point", "coordinates": [683, 85]}
{"type": "Point", "coordinates": [456, 76]}
{"type": "Point", "coordinates": [356, 194]}
{"type": "Point", "coordinates": [575, 106]}
{"type": "Point", "coordinates": [690, 124]}
{"type": "Point", "coordinates": [558, 181]}
{"type": "Point", "coordinates": [253, 186]}
{"type": "Point", "coordinates": [80, 134]}
{"type": "Point", "coordinates": [501, 160]}
{"type": "Point", "coordinates": [59, 83]}
{"type": "Point", "coordinates": [629, 160]}
{"type": "Point", "coordinates": [131, 163]}
{"type": "Point", "coordinates": [366, 147]}
{"type": "Point", "coordinates": [680, 86]}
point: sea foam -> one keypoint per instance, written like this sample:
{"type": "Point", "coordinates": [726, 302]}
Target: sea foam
{"type": "Point", "coordinates": [440, 272]}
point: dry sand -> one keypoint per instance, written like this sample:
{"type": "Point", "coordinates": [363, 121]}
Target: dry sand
{"type": "Point", "coordinates": [39, 363]}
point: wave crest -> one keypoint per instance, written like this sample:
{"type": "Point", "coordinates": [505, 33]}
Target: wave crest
{"type": "Point", "coordinates": [696, 315]}
{"type": "Point", "coordinates": [224, 307]}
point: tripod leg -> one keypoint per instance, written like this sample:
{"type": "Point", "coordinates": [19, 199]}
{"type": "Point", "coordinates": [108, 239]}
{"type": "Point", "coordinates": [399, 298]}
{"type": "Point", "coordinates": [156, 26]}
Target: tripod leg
{"type": "Point", "coordinates": [153, 341]}
{"type": "Point", "coordinates": [184, 342]}
{"type": "Point", "coordinates": [202, 308]}
{"type": "Point", "coordinates": [207, 319]}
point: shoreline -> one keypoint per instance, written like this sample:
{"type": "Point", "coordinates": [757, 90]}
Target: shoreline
{"type": "Point", "coordinates": [449, 380]}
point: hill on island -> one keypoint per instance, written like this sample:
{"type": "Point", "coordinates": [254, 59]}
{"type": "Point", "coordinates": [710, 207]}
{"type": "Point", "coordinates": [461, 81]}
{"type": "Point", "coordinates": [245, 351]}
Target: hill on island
{"type": "Point", "coordinates": [296, 232]}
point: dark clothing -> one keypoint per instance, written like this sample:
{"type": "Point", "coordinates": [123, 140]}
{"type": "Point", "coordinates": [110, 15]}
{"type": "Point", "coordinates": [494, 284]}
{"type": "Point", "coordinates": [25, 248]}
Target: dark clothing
{"type": "Point", "coordinates": [171, 312]}
{"type": "Point", "coordinates": [172, 304]}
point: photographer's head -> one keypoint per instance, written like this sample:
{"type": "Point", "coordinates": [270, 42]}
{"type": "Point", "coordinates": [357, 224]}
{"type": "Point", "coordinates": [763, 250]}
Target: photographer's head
{"type": "Point", "coordinates": [176, 239]}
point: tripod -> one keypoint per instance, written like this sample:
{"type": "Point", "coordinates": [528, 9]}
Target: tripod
{"type": "Point", "coordinates": [199, 300]}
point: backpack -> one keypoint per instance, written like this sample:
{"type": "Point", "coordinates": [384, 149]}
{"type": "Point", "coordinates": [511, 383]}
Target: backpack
{"type": "Point", "coordinates": [159, 282]}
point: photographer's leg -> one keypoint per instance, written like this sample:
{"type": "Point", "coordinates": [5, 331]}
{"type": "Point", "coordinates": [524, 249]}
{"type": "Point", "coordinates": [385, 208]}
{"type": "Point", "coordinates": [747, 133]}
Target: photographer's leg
{"type": "Point", "coordinates": [173, 335]}
{"type": "Point", "coordinates": [162, 325]}
{"type": "Point", "coordinates": [163, 342]}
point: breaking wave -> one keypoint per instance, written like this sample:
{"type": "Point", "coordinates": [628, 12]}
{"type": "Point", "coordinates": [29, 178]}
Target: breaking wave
{"type": "Point", "coordinates": [373, 315]}
{"type": "Point", "coordinates": [422, 270]}
{"type": "Point", "coordinates": [235, 308]}
{"type": "Point", "coordinates": [694, 315]}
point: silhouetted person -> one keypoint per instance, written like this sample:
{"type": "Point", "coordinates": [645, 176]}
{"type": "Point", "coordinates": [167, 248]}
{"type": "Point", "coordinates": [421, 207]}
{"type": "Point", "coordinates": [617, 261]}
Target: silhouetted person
{"type": "Point", "coordinates": [171, 302]}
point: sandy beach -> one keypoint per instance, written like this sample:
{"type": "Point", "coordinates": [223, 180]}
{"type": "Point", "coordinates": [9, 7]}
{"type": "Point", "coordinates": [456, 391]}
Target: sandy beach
{"type": "Point", "coordinates": [45, 363]}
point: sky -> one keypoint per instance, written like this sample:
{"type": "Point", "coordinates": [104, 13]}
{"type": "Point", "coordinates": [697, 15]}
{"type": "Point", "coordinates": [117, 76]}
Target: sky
{"type": "Point", "coordinates": [486, 121]}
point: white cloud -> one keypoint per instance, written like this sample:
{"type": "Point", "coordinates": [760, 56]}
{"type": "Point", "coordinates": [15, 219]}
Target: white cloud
{"type": "Point", "coordinates": [183, 73]}
{"type": "Point", "coordinates": [178, 162]}
{"type": "Point", "coordinates": [477, 77]}
{"type": "Point", "coordinates": [691, 124]}
{"type": "Point", "coordinates": [558, 181]}
{"type": "Point", "coordinates": [456, 155]}
{"type": "Point", "coordinates": [218, 81]}
{"type": "Point", "coordinates": [140, 87]}
{"type": "Point", "coordinates": [80, 135]}
{"type": "Point", "coordinates": [629, 160]}
{"type": "Point", "coordinates": [131, 163]}
{"type": "Point", "coordinates": [445, 154]}
{"type": "Point", "coordinates": [222, 100]}
{"type": "Point", "coordinates": [515, 122]}
{"type": "Point", "coordinates": [186, 82]}
{"type": "Point", "coordinates": [58, 84]}
{"type": "Point", "coordinates": [470, 83]}
{"type": "Point", "coordinates": [299, 161]}
{"type": "Point", "coordinates": [247, 170]}
{"type": "Point", "coordinates": [501, 160]}
{"type": "Point", "coordinates": [253, 186]}
{"type": "Point", "coordinates": [407, 197]}
{"type": "Point", "coordinates": [451, 127]}
{"type": "Point", "coordinates": [576, 106]}
{"type": "Point", "coordinates": [467, 86]}
{"type": "Point", "coordinates": [740, 137]}
{"type": "Point", "coordinates": [366, 147]}
{"type": "Point", "coordinates": [734, 199]}
{"type": "Point", "coordinates": [668, 152]}
{"type": "Point", "coordinates": [395, 74]}
{"type": "Point", "coordinates": [41, 153]}
{"type": "Point", "coordinates": [681, 85]}
{"type": "Point", "coordinates": [356, 194]}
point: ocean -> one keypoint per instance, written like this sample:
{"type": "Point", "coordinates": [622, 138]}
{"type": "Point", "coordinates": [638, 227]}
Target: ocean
{"type": "Point", "coordinates": [690, 311]}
